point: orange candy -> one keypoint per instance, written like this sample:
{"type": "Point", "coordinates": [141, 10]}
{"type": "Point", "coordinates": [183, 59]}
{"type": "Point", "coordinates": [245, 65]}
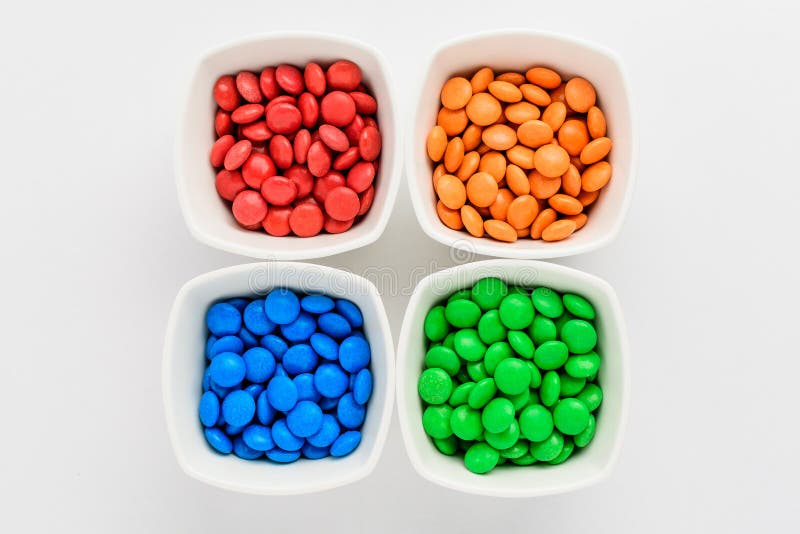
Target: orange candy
{"type": "Point", "coordinates": [451, 218]}
{"type": "Point", "coordinates": [534, 133]}
{"type": "Point", "coordinates": [545, 218]}
{"type": "Point", "coordinates": [596, 176]}
{"type": "Point", "coordinates": [482, 189]}
{"type": "Point", "coordinates": [483, 109]}
{"type": "Point", "coordinates": [573, 136]}
{"type": "Point", "coordinates": [451, 191]}
{"type": "Point", "coordinates": [580, 95]}
{"type": "Point", "coordinates": [495, 164]}
{"type": "Point", "coordinates": [456, 92]}
{"type": "Point", "coordinates": [472, 220]}
{"type": "Point", "coordinates": [522, 211]}
{"type": "Point", "coordinates": [565, 204]}
{"type": "Point", "coordinates": [453, 154]}
{"type": "Point", "coordinates": [499, 208]}
{"type": "Point", "coordinates": [453, 122]}
{"type": "Point", "coordinates": [551, 160]}
{"type": "Point", "coordinates": [500, 230]}
{"type": "Point", "coordinates": [596, 150]}
{"type": "Point", "coordinates": [437, 143]}
{"type": "Point", "coordinates": [559, 230]}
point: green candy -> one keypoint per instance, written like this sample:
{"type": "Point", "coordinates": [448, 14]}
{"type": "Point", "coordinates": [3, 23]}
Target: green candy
{"type": "Point", "coordinates": [526, 459]}
{"type": "Point", "coordinates": [461, 294]}
{"type": "Point", "coordinates": [571, 416]}
{"type": "Point", "coordinates": [521, 343]}
{"type": "Point", "coordinates": [564, 454]}
{"type": "Point", "coordinates": [591, 396]}
{"type": "Point", "coordinates": [477, 371]}
{"type": "Point", "coordinates": [551, 355]}
{"type": "Point", "coordinates": [578, 306]}
{"type": "Point", "coordinates": [570, 386]}
{"type": "Point", "coordinates": [443, 358]}
{"type": "Point", "coordinates": [585, 437]}
{"type": "Point", "coordinates": [482, 393]}
{"type": "Point", "coordinates": [498, 415]}
{"type": "Point", "coordinates": [579, 336]}
{"type": "Point", "coordinates": [516, 311]}
{"type": "Point", "coordinates": [490, 328]}
{"type": "Point", "coordinates": [468, 345]}
{"type": "Point", "coordinates": [435, 386]}
{"type": "Point", "coordinates": [582, 365]}
{"type": "Point", "coordinates": [448, 446]}
{"type": "Point", "coordinates": [536, 423]}
{"type": "Point", "coordinates": [536, 375]}
{"type": "Point", "coordinates": [561, 321]}
{"type": "Point", "coordinates": [460, 394]}
{"type": "Point", "coordinates": [496, 353]}
{"type": "Point", "coordinates": [488, 292]}
{"type": "Point", "coordinates": [435, 325]}
{"type": "Point", "coordinates": [549, 448]}
{"type": "Point", "coordinates": [547, 302]}
{"type": "Point", "coordinates": [449, 341]}
{"type": "Point", "coordinates": [512, 376]}
{"type": "Point", "coordinates": [520, 400]}
{"type": "Point", "coordinates": [551, 388]}
{"type": "Point", "coordinates": [517, 450]}
{"type": "Point", "coordinates": [481, 458]}
{"type": "Point", "coordinates": [462, 313]}
{"type": "Point", "coordinates": [436, 421]}
{"type": "Point", "coordinates": [506, 438]}
{"type": "Point", "coordinates": [542, 329]}
{"type": "Point", "coordinates": [466, 423]}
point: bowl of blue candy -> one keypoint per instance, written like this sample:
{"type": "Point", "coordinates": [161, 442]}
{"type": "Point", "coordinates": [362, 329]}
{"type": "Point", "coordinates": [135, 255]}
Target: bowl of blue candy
{"type": "Point", "coordinates": [278, 378]}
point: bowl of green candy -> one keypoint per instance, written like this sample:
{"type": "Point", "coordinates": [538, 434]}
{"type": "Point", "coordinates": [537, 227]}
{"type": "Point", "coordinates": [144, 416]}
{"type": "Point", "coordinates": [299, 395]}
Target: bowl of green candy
{"type": "Point", "coordinates": [513, 378]}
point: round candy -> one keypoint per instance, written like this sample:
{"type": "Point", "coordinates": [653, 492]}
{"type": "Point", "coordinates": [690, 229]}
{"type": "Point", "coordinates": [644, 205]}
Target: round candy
{"type": "Point", "coordinates": [226, 344]}
{"type": "Point", "coordinates": [282, 393]}
{"type": "Point", "coordinates": [337, 108]}
{"type": "Point", "coordinates": [591, 396]}
{"type": "Point", "coordinates": [549, 448]}
{"type": "Point", "coordinates": [344, 75]}
{"type": "Point", "coordinates": [300, 329]}
{"type": "Point", "coordinates": [279, 191]}
{"type": "Point", "coordinates": [443, 358]}
{"type": "Point", "coordinates": [305, 419]}
{"type": "Point", "coordinates": [265, 413]}
{"type": "Point", "coordinates": [284, 438]}
{"type": "Point", "coordinates": [325, 346]}
{"type": "Point", "coordinates": [435, 386]}
{"type": "Point", "coordinates": [580, 366]}
{"type": "Point", "coordinates": [578, 306]}
{"type": "Point", "coordinates": [283, 118]}
{"type": "Point", "coordinates": [462, 313]}
{"type": "Point", "coordinates": [516, 311]}
{"type": "Point", "coordinates": [571, 416]}
{"type": "Point", "coordinates": [435, 324]}
{"type": "Point", "coordinates": [334, 325]}
{"type": "Point", "coordinates": [275, 345]}
{"type": "Point", "coordinates": [281, 456]}
{"type": "Point", "coordinates": [299, 359]}
{"type": "Point", "coordinates": [465, 423]}
{"type": "Point", "coordinates": [282, 306]}
{"type": "Point", "coordinates": [583, 439]}
{"type": "Point", "coordinates": [218, 440]}
{"type": "Point", "coordinates": [512, 376]}
{"type": "Point", "coordinates": [349, 412]}
{"type": "Point", "coordinates": [482, 393]}
{"type": "Point", "coordinates": [551, 355]}
{"type": "Point", "coordinates": [362, 386]}
{"type": "Point", "coordinates": [543, 329]}
{"type": "Point", "coordinates": [551, 388]}
{"type": "Point", "coordinates": [490, 328]}
{"type": "Point", "coordinates": [242, 450]}
{"type": "Point", "coordinates": [258, 438]}
{"type": "Point", "coordinates": [227, 369]}
{"type": "Point", "coordinates": [306, 220]}
{"type": "Point", "coordinates": [306, 390]}
{"type": "Point", "coordinates": [209, 408]}
{"type": "Point", "coordinates": [547, 302]}
{"type": "Point", "coordinates": [342, 203]}
{"type": "Point", "coordinates": [579, 336]}
{"type": "Point", "coordinates": [316, 304]}
{"type": "Point", "coordinates": [489, 292]}
{"type": "Point", "coordinates": [238, 408]}
{"type": "Point", "coordinates": [314, 453]}
{"type": "Point", "coordinates": [354, 354]}
{"type": "Point", "coordinates": [223, 319]}
{"type": "Point", "coordinates": [351, 312]}
{"type": "Point", "coordinates": [248, 339]}
{"type": "Point", "coordinates": [468, 345]}
{"type": "Point", "coordinates": [498, 415]}
{"type": "Point", "coordinates": [346, 443]}
{"type": "Point", "coordinates": [327, 433]}
{"type": "Point", "coordinates": [536, 422]}
{"type": "Point", "coordinates": [260, 364]}
{"type": "Point", "coordinates": [330, 380]}
{"type": "Point", "coordinates": [481, 458]}
{"type": "Point", "coordinates": [254, 390]}
{"type": "Point", "coordinates": [506, 438]}
{"type": "Point", "coordinates": [436, 421]}
{"type": "Point", "coordinates": [249, 208]}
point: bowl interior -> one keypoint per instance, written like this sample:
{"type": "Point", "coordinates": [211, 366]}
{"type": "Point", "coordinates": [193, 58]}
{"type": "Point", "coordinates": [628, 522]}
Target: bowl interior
{"type": "Point", "coordinates": [184, 363]}
{"type": "Point", "coordinates": [208, 216]}
{"type": "Point", "coordinates": [593, 462]}
{"type": "Point", "coordinates": [521, 51]}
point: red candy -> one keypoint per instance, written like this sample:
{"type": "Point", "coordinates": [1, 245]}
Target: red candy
{"type": "Point", "coordinates": [337, 108]}
{"type": "Point", "coordinates": [249, 208]}
{"type": "Point", "coordinates": [280, 132]}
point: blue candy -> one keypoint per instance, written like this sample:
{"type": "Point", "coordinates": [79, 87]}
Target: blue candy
{"type": "Point", "coordinates": [226, 344]}
{"type": "Point", "coordinates": [258, 437]}
{"type": "Point", "coordinates": [238, 408]}
{"type": "Point", "coordinates": [284, 438]}
{"type": "Point", "coordinates": [260, 364]}
{"type": "Point", "coordinates": [354, 354]}
{"type": "Point", "coordinates": [346, 443]}
{"type": "Point", "coordinates": [359, 333]}
{"type": "Point", "coordinates": [349, 412]}
{"type": "Point", "coordinates": [265, 413]}
{"type": "Point", "coordinates": [219, 390]}
{"type": "Point", "coordinates": [280, 371]}
{"type": "Point", "coordinates": [210, 343]}
{"type": "Point", "coordinates": [304, 419]}
{"type": "Point", "coordinates": [328, 403]}
{"type": "Point", "coordinates": [238, 303]}
{"type": "Point", "coordinates": [300, 329]}
{"type": "Point", "coordinates": [314, 453]}
{"type": "Point", "coordinates": [299, 359]}
{"type": "Point", "coordinates": [244, 452]}
{"type": "Point", "coordinates": [254, 390]}
{"type": "Point", "coordinates": [209, 408]}
{"type": "Point", "coordinates": [207, 379]}
{"type": "Point", "coordinates": [233, 430]}
{"type": "Point", "coordinates": [325, 346]}
{"type": "Point", "coordinates": [316, 304]}
{"type": "Point", "coordinates": [223, 319]}
{"type": "Point", "coordinates": [281, 456]}
{"type": "Point", "coordinates": [334, 325]}
{"type": "Point", "coordinates": [275, 345]}
{"type": "Point", "coordinates": [350, 312]}
{"type": "Point", "coordinates": [282, 306]}
{"type": "Point", "coordinates": [362, 388]}
{"type": "Point", "coordinates": [217, 439]}
{"type": "Point", "coordinates": [256, 320]}
{"type": "Point", "coordinates": [305, 387]}
{"type": "Point", "coordinates": [227, 369]}
{"type": "Point", "coordinates": [327, 434]}
{"type": "Point", "coordinates": [330, 380]}
{"type": "Point", "coordinates": [248, 338]}
{"type": "Point", "coordinates": [282, 393]}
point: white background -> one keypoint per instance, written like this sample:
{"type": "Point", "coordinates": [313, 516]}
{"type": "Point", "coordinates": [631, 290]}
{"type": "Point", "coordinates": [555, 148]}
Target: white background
{"type": "Point", "coordinates": [94, 250]}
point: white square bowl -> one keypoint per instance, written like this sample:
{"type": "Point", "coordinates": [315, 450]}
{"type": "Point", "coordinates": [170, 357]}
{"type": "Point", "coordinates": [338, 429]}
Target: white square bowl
{"type": "Point", "coordinates": [184, 363]}
{"type": "Point", "coordinates": [592, 463]}
{"type": "Point", "coordinates": [520, 50]}
{"type": "Point", "coordinates": [208, 217]}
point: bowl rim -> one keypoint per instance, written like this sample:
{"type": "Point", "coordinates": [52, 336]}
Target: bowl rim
{"type": "Point", "coordinates": [579, 279]}
{"type": "Point", "coordinates": [385, 411]}
{"type": "Point", "coordinates": [489, 247]}
{"type": "Point", "coordinates": [393, 174]}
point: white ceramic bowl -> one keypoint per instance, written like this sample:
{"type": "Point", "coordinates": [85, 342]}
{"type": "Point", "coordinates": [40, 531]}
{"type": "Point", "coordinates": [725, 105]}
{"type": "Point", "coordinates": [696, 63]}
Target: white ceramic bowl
{"type": "Point", "coordinates": [184, 364]}
{"type": "Point", "coordinates": [208, 217]}
{"type": "Point", "coordinates": [592, 463]}
{"type": "Point", "coordinates": [520, 50]}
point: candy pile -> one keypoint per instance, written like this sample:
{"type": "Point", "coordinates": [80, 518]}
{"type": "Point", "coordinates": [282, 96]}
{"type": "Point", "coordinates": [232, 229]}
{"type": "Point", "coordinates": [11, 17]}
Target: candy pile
{"type": "Point", "coordinates": [519, 155]}
{"type": "Point", "coordinates": [510, 375]}
{"type": "Point", "coordinates": [297, 150]}
{"type": "Point", "coordinates": [288, 376]}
